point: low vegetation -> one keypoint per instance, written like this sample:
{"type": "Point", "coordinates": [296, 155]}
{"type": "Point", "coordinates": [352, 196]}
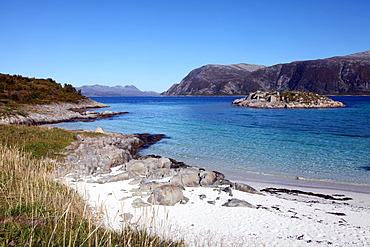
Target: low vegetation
{"type": "Point", "coordinates": [16, 91]}
{"type": "Point", "coordinates": [302, 96]}
{"type": "Point", "coordinates": [19, 89]}
{"type": "Point", "coordinates": [35, 210]}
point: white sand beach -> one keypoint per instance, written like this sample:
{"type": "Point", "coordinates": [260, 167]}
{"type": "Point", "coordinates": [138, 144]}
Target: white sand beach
{"type": "Point", "coordinates": [276, 220]}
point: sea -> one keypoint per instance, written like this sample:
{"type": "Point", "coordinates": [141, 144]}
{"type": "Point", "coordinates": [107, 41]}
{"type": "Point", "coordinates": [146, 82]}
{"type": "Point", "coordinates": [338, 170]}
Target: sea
{"type": "Point", "coordinates": [330, 145]}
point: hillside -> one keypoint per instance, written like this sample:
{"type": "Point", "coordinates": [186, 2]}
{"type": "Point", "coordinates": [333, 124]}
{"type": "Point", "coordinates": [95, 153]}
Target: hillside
{"type": "Point", "coordinates": [342, 75]}
{"type": "Point", "coordinates": [31, 90]}
{"type": "Point", "coordinates": [116, 91]}
{"type": "Point", "coordinates": [216, 79]}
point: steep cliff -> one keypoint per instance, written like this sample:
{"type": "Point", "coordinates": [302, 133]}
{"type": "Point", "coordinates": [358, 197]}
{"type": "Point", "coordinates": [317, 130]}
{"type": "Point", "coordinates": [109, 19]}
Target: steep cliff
{"type": "Point", "coordinates": [345, 75]}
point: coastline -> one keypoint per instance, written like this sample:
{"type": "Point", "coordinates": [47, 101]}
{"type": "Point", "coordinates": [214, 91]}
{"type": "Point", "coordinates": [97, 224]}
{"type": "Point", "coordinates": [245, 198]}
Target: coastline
{"type": "Point", "coordinates": [273, 220]}
{"type": "Point", "coordinates": [270, 219]}
{"type": "Point", "coordinates": [296, 182]}
{"type": "Point", "coordinates": [59, 112]}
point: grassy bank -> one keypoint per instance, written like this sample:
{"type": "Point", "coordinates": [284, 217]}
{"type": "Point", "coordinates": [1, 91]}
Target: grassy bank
{"type": "Point", "coordinates": [37, 211]}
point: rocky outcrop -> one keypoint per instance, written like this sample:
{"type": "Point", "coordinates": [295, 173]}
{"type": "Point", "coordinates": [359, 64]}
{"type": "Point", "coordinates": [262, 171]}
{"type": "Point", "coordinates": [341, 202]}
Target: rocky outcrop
{"type": "Point", "coordinates": [59, 112]}
{"type": "Point", "coordinates": [160, 179]}
{"type": "Point", "coordinates": [289, 99]}
{"type": "Point", "coordinates": [98, 154]}
{"type": "Point", "coordinates": [343, 75]}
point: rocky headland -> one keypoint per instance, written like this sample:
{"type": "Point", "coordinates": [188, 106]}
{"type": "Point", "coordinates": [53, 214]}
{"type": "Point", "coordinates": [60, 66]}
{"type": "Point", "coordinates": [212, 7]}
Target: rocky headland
{"type": "Point", "coordinates": [288, 99]}
{"type": "Point", "coordinates": [58, 112]}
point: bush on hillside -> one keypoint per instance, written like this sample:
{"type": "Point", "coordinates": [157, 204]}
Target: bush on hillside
{"type": "Point", "coordinates": [39, 91]}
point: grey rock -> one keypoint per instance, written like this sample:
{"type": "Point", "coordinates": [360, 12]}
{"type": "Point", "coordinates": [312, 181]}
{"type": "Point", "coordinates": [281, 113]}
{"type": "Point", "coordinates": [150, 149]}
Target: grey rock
{"type": "Point", "coordinates": [186, 180]}
{"type": "Point", "coordinates": [245, 188]}
{"type": "Point", "coordinates": [187, 177]}
{"type": "Point", "coordinates": [136, 166]}
{"type": "Point", "coordinates": [80, 137]}
{"type": "Point", "coordinates": [237, 203]}
{"type": "Point", "coordinates": [167, 195]}
{"type": "Point", "coordinates": [202, 196]}
{"type": "Point", "coordinates": [138, 203]}
{"type": "Point", "coordinates": [126, 216]}
{"type": "Point", "coordinates": [122, 176]}
{"type": "Point", "coordinates": [138, 193]}
{"type": "Point", "coordinates": [150, 186]}
{"type": "Point", "coordinates": [137, 180]}
{"type": "Point", "coordinates": [161, 173]}
{"type": "Point", "coordinates": [210, 178]}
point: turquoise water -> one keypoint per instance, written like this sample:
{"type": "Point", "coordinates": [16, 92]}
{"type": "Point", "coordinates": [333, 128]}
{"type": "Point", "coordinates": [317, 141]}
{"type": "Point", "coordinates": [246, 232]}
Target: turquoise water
{"type": "Point", "coordinates": [319, 144]}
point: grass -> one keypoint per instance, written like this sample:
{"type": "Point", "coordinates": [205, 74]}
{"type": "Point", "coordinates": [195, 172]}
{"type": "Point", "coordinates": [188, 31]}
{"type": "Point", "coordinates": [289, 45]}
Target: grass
{"type": "Point", "coordinates": [11, 108]}
{"type": "Point", "coordinates": [35, 210]}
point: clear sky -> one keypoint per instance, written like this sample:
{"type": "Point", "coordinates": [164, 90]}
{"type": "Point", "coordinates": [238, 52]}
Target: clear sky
{"type": "Point", "coordinates": [154, 43]}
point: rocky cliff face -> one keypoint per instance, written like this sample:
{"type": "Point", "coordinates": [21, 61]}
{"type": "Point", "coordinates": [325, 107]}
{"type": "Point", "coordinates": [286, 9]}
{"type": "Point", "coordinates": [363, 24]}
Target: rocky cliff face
{"type": "Point", "coordinates": [215, 79]}
{"type": "Point", "coordinates": [345, 75]}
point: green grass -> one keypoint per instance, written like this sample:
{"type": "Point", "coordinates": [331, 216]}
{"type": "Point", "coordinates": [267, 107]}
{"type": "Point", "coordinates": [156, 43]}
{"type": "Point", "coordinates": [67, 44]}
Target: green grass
{"type": "Point", "coordinates": [35, 210]}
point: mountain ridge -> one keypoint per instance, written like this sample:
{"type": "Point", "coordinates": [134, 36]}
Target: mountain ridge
{"type": "Point", "coordinates": [339, 75]}
{"type": "Point", "coordinates": [113, 91]}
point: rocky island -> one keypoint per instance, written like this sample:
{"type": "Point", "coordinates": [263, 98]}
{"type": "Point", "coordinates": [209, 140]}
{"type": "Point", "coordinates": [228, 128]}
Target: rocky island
{"type": "Point", "coordinates": [287, 99]}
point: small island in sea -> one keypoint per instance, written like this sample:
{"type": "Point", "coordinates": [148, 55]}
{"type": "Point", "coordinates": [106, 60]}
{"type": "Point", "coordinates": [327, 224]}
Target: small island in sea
{"type": "Point", "coordinates": [287, 99]}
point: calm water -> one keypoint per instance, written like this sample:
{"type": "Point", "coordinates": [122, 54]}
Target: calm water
{"type": "Point", "coordinates": [323, 144]}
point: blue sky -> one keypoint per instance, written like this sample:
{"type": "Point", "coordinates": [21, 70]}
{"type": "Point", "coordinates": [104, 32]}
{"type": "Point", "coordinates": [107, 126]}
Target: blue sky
{"type": "Point", "coordinates": [154, 43]}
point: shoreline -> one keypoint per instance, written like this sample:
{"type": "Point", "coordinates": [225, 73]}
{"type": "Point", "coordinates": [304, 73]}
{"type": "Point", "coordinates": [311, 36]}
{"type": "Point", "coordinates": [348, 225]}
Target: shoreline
{"type": "Point", "coordinates": [272, 220]}
{"type": "Point", "coordinates": [246, 176]}
{"type": "Point", "coordinates": [59, 112]}
{"type": "Point", "coordinates": [202, 219]}
{"type": "Point", "coordinates": [269, 219]}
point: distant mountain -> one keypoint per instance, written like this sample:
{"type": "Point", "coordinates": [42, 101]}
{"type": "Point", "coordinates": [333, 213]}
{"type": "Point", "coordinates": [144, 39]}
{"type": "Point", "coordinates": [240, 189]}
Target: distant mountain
{"type": "Point", "coordinates": [342, 75]}
{"type": "Point", "coordinates": [116, 91]}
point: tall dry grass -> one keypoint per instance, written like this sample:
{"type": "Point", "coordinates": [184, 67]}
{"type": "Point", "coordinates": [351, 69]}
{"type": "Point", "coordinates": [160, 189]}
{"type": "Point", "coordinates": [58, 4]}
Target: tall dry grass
{"type": "Point", "coordinates": [35, 210]}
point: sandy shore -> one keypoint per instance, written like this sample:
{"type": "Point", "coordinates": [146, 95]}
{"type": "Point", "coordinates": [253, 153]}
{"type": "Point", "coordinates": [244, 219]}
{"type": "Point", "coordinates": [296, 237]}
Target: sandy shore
{"type": "Point", "coordinates": [277, 219]}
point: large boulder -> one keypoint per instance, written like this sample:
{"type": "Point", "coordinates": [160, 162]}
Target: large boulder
{"type": "Point", "coordinates": [137, 166]}
{"type": "Point", "coordinates": [167, 195]}
{"type": "Point", "coordinates": [187, 177]}
{"type": "Point", "coordinates": [210, 178]}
